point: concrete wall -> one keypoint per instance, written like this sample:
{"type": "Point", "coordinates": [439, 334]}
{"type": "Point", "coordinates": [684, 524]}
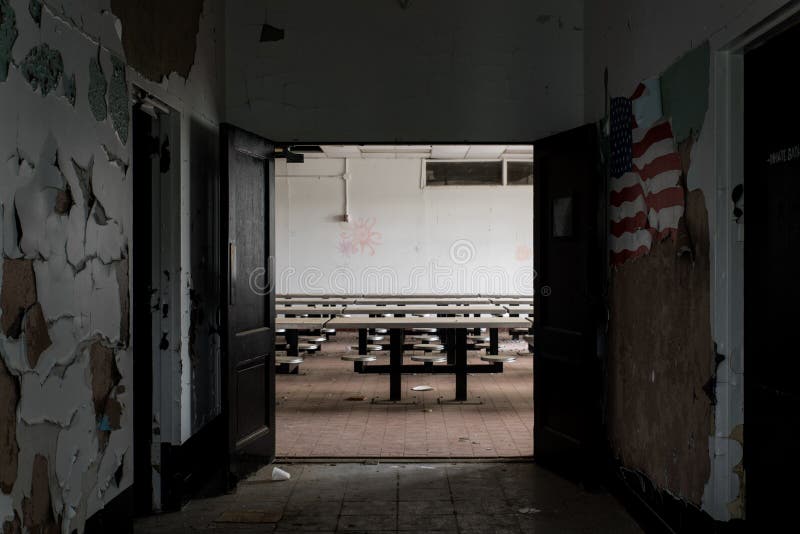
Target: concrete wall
{"type": "Point", "coordinates": [65, 196]}
{"type": "Point", "coordinates": [663, 358]}
{"type": "Point", "coordinates": [439, 70]}
{"type": "Point", "coordinates": [401, 237]}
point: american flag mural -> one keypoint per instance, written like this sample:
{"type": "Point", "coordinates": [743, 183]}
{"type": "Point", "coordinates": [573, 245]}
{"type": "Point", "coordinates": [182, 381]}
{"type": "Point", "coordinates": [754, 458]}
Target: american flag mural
{"type": "Point", "coordinates": [647, 198]}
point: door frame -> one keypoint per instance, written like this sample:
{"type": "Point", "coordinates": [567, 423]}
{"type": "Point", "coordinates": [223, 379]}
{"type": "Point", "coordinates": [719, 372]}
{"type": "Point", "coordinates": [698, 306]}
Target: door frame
{"type": "Point", "coordinates": [155, 412]}
{"type": "Point", "coordinates": [726, 117]}
{"type": "Point", "coordinates": [291, 143]}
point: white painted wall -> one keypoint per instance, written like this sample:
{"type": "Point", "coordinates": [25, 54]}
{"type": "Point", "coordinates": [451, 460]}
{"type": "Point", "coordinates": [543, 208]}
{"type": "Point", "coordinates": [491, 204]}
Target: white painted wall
{"type": "Point", "coordinates": [469, 239]}
{"type": "Point", "coordinates": [637, 40]}
{"type": "Point", "coordinates": [439, 71]}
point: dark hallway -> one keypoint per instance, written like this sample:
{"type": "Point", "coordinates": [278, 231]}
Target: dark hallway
{"type": "Point", "coordinates": [468, 498]}
{"type": "Point", "coordinates": [506, 238]}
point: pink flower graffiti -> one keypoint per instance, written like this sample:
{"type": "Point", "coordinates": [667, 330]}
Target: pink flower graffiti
{"type": "Point", "coordinates": [359, 237]}
{"type": "Point", "coordinates": [524, 253]}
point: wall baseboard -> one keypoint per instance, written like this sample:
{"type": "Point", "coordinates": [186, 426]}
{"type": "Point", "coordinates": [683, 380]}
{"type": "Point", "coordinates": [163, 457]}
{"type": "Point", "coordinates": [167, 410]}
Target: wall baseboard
{"type": "Point", "coordinates": [659, 512]}
{"type": "Point", "coordinates": [196, 468]}
{"type": "Point", "coordinates": [117, 516]}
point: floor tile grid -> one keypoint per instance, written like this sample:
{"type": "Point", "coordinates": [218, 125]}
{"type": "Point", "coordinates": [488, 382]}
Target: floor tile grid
{"type": "Point", "coordinates": [314, 419]}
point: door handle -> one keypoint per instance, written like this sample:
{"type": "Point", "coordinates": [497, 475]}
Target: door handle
{"type": "Point", "coordinates": [233, 273]}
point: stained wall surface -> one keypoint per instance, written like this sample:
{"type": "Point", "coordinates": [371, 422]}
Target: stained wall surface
{"type": "Point", "coordinates": [676, 360]}
{"type": "Point", "coordinates": [65, 239]}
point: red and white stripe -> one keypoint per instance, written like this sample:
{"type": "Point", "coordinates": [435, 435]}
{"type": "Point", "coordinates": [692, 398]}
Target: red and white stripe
{"type": "Point", "coordinates": [647, 202]}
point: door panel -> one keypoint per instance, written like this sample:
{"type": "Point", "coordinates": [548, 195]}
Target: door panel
{"type": "Point", "coordinates": [569, 241]}
{"type": "Point", "coordinates": [772, 254]}
{"type": "Point", "coordinates": [247, 183]}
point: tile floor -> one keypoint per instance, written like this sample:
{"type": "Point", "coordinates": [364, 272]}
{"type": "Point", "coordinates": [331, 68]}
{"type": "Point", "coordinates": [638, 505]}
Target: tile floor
{"type": "Point", "coordinates": [460, 498]}
{"type": "Point", "coordinates": [315, 418]}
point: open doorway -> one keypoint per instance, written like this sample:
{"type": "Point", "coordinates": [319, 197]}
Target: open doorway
{"type": "Point", "coordinates": [772, 166]}
{"type": "Point", "coordinates": [404, 233]}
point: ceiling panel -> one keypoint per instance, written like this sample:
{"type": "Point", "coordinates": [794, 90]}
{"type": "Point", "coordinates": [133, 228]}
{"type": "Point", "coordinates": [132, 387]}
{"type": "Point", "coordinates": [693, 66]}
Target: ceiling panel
{"type": "Point", "coordinates": [394, 148]}
{"type": "Point", "coordinates": [485, 151]}
{"type": "Point", "coordinates": [341, 151]}
{"type": "Point", "coordinates": [427, 151]}
{"type": "Point", "coordinates": [449, 151]}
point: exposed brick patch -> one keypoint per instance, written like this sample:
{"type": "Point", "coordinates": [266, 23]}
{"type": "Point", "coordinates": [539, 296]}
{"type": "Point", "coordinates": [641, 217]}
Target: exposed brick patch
{"type": "Point", "coordinates": [18, 294]}
{"type": "Point", "coordinates": [123, 281]}
{"type": "Point", "coordinates": [663, 356]}
{"type": "Point", "coordinates": [159, 37]}
{"type": "Point", "coordinates": [37, 511]}
{"type": "Point", "coordinates": [9, 450]}
{"type": "Point", "coordinates": [12, 527]}
{"type": "Point", "coordinates": [37, 338]}
{"type": "Point", "coordinates": [105, 374]}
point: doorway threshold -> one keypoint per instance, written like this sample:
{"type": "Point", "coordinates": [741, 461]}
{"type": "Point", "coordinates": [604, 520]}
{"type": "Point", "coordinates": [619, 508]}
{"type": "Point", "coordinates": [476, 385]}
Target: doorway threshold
{"type": "Point", "coordinates": [401, 460]}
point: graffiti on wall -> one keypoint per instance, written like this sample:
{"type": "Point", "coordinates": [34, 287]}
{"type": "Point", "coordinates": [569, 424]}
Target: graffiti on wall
{"type": "Point", "coordinates": [359, 237]}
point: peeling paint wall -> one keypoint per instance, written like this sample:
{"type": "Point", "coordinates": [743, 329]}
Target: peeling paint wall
{"type": "Point", "coordinates": [65, 246]}
{"type": "Point", "coordinates": [446, 71]}
{"type": "Point", "coordinates": [691, 363]}
{"type": "Point", "coordinates": [159, 37]}
{"type": "Point", "coordinates": [661, 359]}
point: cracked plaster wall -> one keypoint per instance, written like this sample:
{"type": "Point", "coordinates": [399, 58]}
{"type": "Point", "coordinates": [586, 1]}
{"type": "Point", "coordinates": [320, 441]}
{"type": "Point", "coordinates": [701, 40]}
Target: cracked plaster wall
{"type": "Point", "coordinates": [635, 41]}
{"type": "Point", "coordinates": [444, 71]}
{"type": "Point", "coordinates": [65, 246]}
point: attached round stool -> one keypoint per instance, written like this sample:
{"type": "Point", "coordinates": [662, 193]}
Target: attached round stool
{"type": "Point", "coordinates": [381, 331]}
{"type": "Point", "coordinates": [369, 347]}
{"type": "Point", "coordinates": [374, 338]}
{"type": "Point", "coordinates": [478, 338]}
{"type": "Point", "coordinates": [359, 358]}
{"type": "Point", "coordinates": [424, 338]}
{"type": "Point", "coordinates": [307, 346]}
{"type": "Point", "coordinates": [279, 360]}
{"type": "Point", "coordinates": [280, 330]}
{"type": "Point", "coordinates": [429, 347]}
{"type": "Point", "coordinates": [498, 358]}
{"type": "Point", "coordinates": [517, 332]}
{"type": "Point", "coordinates": [481, 346]}
{"type": "Point", "coordinates": [428, 358]}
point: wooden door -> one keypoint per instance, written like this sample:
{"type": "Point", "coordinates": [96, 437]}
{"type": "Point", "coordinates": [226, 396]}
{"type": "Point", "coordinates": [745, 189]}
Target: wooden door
{"type": "Point", "coordinates": [569, 259]}
{"type": "Point", "coordinates": [771, 294]}
{"type": "Point", "coordinates": [247, 183]}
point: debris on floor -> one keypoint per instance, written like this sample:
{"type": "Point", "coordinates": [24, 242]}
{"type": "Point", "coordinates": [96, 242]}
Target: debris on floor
{"type": "Point", "coordinates": [360, 497]}
{"type": "Point", "coordinates": [280, 474]}
{"type": "Point", "coordinates": [422, 388]}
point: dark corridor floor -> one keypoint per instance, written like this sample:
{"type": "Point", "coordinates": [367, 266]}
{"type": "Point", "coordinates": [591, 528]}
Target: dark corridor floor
{"type": "Point", "coordinates": [461, 498]}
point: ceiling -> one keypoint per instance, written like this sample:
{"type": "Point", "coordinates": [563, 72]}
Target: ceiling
{"type": "Point", "coordinates": [476, 152]}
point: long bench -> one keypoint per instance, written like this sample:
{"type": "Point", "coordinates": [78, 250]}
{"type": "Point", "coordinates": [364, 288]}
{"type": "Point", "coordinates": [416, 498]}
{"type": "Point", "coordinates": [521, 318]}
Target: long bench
{"type": "Point", "coordinates": [456, 328]}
